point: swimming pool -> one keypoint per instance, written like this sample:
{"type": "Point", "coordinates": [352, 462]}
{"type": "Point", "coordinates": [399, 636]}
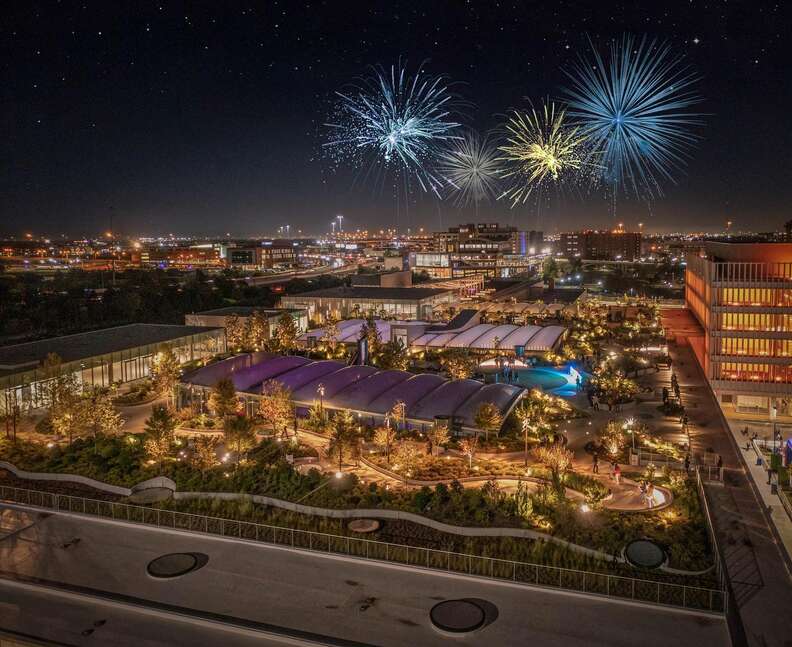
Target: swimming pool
{"type": "Point", "coordinates": [552, 380]}
{"type": "Point", "coordinates": [558, 381]}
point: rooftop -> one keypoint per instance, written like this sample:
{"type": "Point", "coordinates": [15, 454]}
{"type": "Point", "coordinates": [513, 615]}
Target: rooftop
{"type": "Point", "coordinates": [90, 344]}
{"type": "Point", "coordinates": [244, 311]}
{"type": "Point", "coordinates": [364, 388]}
{"type": "Point", "coordinates": [370, 292]}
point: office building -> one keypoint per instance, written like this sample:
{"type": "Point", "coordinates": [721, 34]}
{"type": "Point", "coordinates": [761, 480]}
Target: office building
{"type": "Point", "coordinates": [616, 245]}
{"type": "Point", "coordinates": [741, 295]}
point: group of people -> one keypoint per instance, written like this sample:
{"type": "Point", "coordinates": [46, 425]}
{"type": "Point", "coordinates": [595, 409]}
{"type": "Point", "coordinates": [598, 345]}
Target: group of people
{"type": "Point", "coordinates": [647, 489]}
{"type": "Point", "coordinates": [615, 469]}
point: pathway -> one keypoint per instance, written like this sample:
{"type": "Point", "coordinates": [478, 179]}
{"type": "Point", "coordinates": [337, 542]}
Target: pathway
{"type": "Point", "coordinates": [755, 561]}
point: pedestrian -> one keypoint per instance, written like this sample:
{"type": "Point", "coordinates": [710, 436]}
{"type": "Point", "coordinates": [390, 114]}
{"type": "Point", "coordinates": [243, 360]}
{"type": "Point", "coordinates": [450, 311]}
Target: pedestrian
{"type": "Point", "coordinates": [687, 463]}
{"type": "Point", "coordinates": [720, 461]}
{"type": "Point", "coordinates": [642, 488]}
{"type": "Point", "coordinates": [590, 396]}
{"type": "Point", "coordinates": [595, 402]}
{"type": "Point", "coordinates": [650, 495]}
{"type": "Point", "coordinates": [595, 464]}
{"type": "Point", "coordinates": [684, 422]}
{"type": "Point", "coordinates": [617, 473]}
{"type": "Point", "coordinates": [579, 383]}
{"type": "Point", "coordinates": [665, 395]}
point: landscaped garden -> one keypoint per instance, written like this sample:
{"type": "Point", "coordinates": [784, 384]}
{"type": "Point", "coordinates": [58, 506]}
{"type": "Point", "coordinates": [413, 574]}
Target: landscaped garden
{"type": "Point", "coordinates": [518, 473]}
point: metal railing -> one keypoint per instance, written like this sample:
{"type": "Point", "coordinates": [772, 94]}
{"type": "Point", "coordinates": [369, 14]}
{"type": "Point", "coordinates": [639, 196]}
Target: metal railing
{"type": "Point", "coordinates": [588, 582]}
{"type": "Point", "coordinates": [719, 564]}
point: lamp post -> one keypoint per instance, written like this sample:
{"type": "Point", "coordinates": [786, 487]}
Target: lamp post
{"type": "Point", "coordinates": [321, 391]}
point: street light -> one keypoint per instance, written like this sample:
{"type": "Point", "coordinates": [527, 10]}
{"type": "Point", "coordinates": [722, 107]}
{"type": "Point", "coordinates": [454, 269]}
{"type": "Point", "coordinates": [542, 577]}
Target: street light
{"type": "Point", "coordinates": [321, 391]}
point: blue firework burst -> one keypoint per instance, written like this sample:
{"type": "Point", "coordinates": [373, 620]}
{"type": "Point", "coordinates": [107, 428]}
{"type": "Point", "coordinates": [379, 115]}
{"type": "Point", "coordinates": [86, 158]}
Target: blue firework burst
{"type": "Point", "coordinates": [635, 110]}
{"type": "Point", "coordinates": [397, 122]}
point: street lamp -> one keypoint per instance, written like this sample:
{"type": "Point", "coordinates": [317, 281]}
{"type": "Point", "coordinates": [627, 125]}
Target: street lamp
{"type": "Point", "coordinates": [321, 391]}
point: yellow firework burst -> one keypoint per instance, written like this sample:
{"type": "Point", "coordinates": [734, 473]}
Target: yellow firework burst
{"type": "Point", "coordinates": [540, 150]}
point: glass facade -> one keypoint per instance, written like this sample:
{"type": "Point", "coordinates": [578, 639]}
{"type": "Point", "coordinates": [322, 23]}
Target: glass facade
{"type": "Point", "coordinates": [745, 309]}
{"type": "Point", "coordinates": [26, 388]}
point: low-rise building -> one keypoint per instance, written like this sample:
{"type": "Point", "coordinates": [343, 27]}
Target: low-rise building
{"type": "Point", "coordinates": [219, 316]}
{"type": "Point", "coordinates": [98, 358]}
{"type": "Point", "coordinates": [344, 302]}
{"type": "Point", "coordinates": [266, 256]}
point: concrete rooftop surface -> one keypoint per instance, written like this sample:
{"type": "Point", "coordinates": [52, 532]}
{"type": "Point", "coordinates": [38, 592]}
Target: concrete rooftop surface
{"type": "Point", "coordinates": [295, 597]}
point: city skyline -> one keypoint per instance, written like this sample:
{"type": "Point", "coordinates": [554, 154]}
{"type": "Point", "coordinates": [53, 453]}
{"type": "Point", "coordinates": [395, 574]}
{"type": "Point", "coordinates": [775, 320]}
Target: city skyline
{"type": "Point", "coordinates": [211, 121]}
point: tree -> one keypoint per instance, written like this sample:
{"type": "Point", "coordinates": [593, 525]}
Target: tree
{"type": "Point", "coordinates": [257, 331]}
{"type": "Point", "coordinates": [393, 355]}
{"type": "Point", "coordinates": [99, 414]}
{"type": "Point", "coordinates": [223, 401]}
{"type": "Point", "coordinates": [550, 272]}
{"type": "Point", "coordinates": [459, 363]}
{"type": "Point", "coordinates": [239, 434]}
{"type": "Point", "coordinates": [371, 333]}
{"type": "Point", "coordinates": [344, 437]}
{"type": "Point", "coordinates": [317, 420]}
{"type": "Point", "coordinates": [614, 386]}
{"type": "Point", "coordinates": [488, 418]}
{"type": "Point", "coordinates": [165, 372]}
{"type": "Point", "coordinates": [58, 385]}
{"type": "Point", "coordinates": [398, 412]}
{"type": "Point", "coordinates": [558, 459]}
{"type": "Point", "coordinates": [613, 438]}
{"type": "Point", "coordinates": [468, 447]}
{"type": "Point", "coordinates": [439, 436]}
{"type": "Point", "coordinates": [277, 406]}
{"type": "Point", "coordinates": [385, 436]}
{"type": "Point", "coordinates": [235, 333]}
{"type": "Point", "coordinates": [407, 458]}
{"type": "Point", "coordinates": [331, 334]}
{"type": "Point", "coordinates": [60, 391]}
{"type": "Point", "coordinates": [160, 428]}
{"type": "Point", "coordinates": [204, 456]}
{"type": "Point", "coordinates": [286, 333]}
{"type": "Point", "coordinates": [536, 413]}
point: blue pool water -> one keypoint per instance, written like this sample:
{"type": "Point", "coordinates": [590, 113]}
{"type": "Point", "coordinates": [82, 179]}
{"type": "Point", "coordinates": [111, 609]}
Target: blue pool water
{"type": "Point", "coordinates": [551, 380]}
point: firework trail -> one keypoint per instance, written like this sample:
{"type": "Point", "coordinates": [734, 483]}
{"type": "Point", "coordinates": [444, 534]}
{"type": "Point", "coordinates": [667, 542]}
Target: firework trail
{"type": "Point", "coordinates": [396, 122]}
{"type": "Point", "coordinates": [471, 168]}
{"type": "Point", "coordinates": [541, 150]}
{"type": "Point", "coordinates": [634, 110]}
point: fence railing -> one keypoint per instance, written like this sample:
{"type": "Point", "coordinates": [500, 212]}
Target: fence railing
{"type": "Point", "coordinates": [589, 582]}
{"type": "Point", "coordinates": [719, 564]}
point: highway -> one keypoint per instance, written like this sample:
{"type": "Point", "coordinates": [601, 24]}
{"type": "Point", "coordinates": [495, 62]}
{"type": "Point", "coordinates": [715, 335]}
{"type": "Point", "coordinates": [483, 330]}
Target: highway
{"type": "Point", "coordinates": [291, 597]}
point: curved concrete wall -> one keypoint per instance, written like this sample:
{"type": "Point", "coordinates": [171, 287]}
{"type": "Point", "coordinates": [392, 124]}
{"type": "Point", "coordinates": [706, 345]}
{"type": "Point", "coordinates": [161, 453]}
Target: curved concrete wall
{"type": "Point", "coordinates": [66, 478]}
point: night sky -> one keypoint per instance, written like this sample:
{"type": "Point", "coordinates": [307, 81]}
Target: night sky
{"type": "Point", "coordinates": [207, 118]}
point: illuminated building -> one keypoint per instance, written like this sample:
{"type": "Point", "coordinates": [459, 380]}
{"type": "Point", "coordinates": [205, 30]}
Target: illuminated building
{"type": "Point", "coordinates": [98, 358]}
{"type": "Point", "coordinates": [741, 294]}
{"type": "Point", "coordinates": [613, 245]}
{"type": "Point", "coordinates": [345, 302]}
{"type": "Point", "coordinates": [271, 253]}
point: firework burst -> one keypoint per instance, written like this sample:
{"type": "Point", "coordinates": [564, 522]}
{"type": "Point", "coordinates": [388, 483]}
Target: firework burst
{"type": "Point", "coordinates": [634, 109]}
{"type": "Point", "coordinates": [397, 122]}
{"type": "Point", "coordinates": [541, 150]}
{"type": "Point", "coordinates": [472, 170]}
